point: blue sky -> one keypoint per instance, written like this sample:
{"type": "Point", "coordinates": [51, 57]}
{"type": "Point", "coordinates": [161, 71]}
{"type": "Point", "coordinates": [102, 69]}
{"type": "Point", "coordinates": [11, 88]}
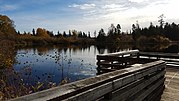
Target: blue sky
{"type": "Point", "coordinates": [87, 15]}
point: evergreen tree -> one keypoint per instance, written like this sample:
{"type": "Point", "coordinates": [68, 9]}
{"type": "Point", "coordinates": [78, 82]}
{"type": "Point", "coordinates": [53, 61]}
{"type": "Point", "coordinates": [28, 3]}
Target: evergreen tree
{"type": "Point", "coordinates": [18, 33]}
{"type": "Point", "coordinates": [80, 35]}
{"type": "Point", "coordinates": [101, 36]}
{"type": "Point", "coordinates": [111, 30]}
{"type": "Point", "coordinates": [95, 33]}
{"type": "Point", "coordinates": [89, 35]}
{"type": "Point", "coordinates": [136, 31]}
{"type": "Point", "coordinates": [33, 32]}
{"type": "Point", "coordinates": [59, 35]}
{"type": "Point", "coordinates": [161, 20]}
{"type": "Point", "coordinates": [84, 35]}
{"type": "Point", "coordinates": [118, 28]}
{"type": "Point", "coordinates": [64, 34]}
{"type": "Point", "coordinates": [70, 33]}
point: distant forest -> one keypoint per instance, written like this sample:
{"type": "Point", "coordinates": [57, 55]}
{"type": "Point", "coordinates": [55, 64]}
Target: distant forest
{"type": "Point", "coordinates": [164, 33]}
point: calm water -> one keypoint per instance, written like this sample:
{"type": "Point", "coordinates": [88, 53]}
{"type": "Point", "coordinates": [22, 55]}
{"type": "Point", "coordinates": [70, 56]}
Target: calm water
{"type": "Point", "coordinates": [42, 67]}
{"type": "Point", "coordinates": [55, 64]}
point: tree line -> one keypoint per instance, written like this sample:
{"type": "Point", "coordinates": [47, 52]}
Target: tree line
{"type": "Point", "coordinates": [165, 32]}
{"type": "Point", "coordinates": [41, 32]}
{"type": "Point", "coordinates": [170, 31]}
{"type": "Point", "coordinates": [114, 35]}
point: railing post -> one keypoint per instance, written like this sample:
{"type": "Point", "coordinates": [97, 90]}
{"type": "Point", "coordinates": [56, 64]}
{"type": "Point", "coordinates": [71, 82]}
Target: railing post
{"type": "Point", "coordinates": [138, 55]}
{"type": "Point", "coordinates": [108, 96]}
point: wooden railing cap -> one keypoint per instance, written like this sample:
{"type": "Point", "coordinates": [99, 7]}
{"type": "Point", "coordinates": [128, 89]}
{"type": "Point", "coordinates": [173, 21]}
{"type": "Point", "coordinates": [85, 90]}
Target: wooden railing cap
{"type": "Point", "coordinates": [120, 53]}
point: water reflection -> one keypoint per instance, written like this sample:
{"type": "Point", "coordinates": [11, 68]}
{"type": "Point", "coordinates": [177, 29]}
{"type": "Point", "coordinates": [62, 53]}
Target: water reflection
{"type": "Point", "coordinates": [42, 67]}
{"type": "Point", "coordinates": [167, 48]}
{"type": "Point", "coordinates": [55, 64]}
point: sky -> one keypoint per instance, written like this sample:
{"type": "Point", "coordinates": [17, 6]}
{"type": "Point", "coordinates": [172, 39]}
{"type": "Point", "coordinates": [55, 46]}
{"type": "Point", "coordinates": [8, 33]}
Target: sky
{"type": "Point", "coordinates": [87, 15]}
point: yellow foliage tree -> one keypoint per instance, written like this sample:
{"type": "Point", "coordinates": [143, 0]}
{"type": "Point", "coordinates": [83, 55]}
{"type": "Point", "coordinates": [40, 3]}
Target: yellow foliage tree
{"type": "Point", "coordinates": [42, 33]}
{"type": "Point", "coordinates": [7, 27]}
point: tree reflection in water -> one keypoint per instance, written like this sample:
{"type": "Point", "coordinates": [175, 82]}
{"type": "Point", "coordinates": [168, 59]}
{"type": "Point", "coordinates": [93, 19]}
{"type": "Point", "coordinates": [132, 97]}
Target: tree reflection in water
{"type": "Point", "coordinates": [31, 69]}
{"type": "Point", "coordinates": [11, 85]}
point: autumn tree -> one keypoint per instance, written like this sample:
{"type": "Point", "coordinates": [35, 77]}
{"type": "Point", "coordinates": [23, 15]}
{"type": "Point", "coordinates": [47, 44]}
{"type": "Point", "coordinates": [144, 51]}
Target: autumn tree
{"type": "Point", "coordinates": [42, 33]}
{"type": "Point", "coordinates": [7, 27]}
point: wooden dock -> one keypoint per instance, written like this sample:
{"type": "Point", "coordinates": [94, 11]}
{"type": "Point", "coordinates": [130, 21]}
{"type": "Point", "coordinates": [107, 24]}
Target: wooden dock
{"type": "Point", "coordinates": [124, 76]}
{"type": "Point", "coordinates": [135, 83]}
{"type": "Point", "coordinates": [171, 92]}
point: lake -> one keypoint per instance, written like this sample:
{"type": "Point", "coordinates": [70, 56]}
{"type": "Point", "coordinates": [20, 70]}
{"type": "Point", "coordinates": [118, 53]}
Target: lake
{"type": "Point", "coordinates": [42, 67]}
{"type": "Point", "coordinates": [54, 64]}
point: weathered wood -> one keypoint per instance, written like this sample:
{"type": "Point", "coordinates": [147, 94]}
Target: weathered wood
{"type": "Point", "coordinates": [172, 59]}
{"type": "Point", "coordinates": [97, 92]}
{"type": "Point", "coordinates": [95, 87]}
{"type": "Point", "coordinates": [130, 52]}
{"type": "Point", "coordinates": [159, 55]}
{"type": "Point", "coordinates": [119, 62]}
{"type": "Point", "coordinates": [156, 94]}
{"type": "Point", "coordinates": [134, 83]}
{"type": "Point", "coordinates": [144, 93]}
{"type": "Point", "coordinates": [131, 89]}
{"type": "Point", "coordinates": [122, 59]}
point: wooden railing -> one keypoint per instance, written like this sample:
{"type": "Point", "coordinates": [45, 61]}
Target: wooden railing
{"type": "Point", "coordinates": [119, 60]}
{"type": "Point", "coordinates": [136, 83]}
{"type": "Point", "coordinates": [171, 59]}
{"type": "Point", "coordinates": [122, 53]}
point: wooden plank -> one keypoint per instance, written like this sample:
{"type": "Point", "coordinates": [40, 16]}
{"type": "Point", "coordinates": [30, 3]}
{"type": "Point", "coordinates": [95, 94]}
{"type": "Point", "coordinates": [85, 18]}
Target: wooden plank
{"type": "Point", "coordinates": [170, 60]}
{"type": "Point", "coordinates": [107, 69]}
{"type": "Point", "coordinates": [120, 66]}
{"type": "Point", "coordinates": [103, 89]}
{"type": "Point", "coordinates": [156, 94]}
{"type": "Point", "coordinates": [143, 94]}
{"type": "Point", "coordinates": [118, 62]}
{"type": "Point", "coordinates": [130, 90]}
{"type": "Point", "coordinates": [74, 88]}
{"type": "Point", "coordinates": [120, 53]}
{"type": "Point", "coordinates": [160, 55]}
{"type": "Point", "coordinates": [109, 59]}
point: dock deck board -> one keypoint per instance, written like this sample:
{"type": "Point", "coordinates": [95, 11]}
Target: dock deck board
{"type": "Point", "coordinates": [171, 92]}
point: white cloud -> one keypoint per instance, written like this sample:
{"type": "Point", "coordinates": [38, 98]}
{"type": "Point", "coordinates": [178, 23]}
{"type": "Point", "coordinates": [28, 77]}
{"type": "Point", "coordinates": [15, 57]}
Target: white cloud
{"type": "Point", "coordinates": [138, 1]}
{"type": "Point", "coordinates": [83, 6]}
{"type": "Point", "coordinates": [96, 14]}
{"type": "Point", "coordinates": [124, 12]}
{"type": "Point", "coordinates": [8, 7]}
{"type": "Point", "coordinates": [114, 7]}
